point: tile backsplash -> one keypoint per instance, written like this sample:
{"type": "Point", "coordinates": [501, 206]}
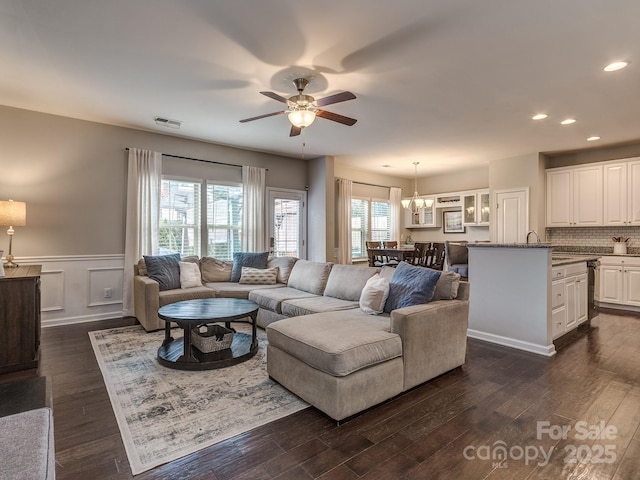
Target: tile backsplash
{"type": "Point", "coordinates": [593, 239]}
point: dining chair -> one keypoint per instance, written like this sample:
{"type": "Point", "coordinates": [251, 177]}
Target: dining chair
{"type": "Point", "coordinates": [457, 257]}
{"type": "Point", "coordinates": [391, 259]}
{"type": "Point", "coordinates": [421, 249]}
{"type": "Point", "coordinates": [436, 259]}
{"type": "Point", "coordinates": [374, 259]}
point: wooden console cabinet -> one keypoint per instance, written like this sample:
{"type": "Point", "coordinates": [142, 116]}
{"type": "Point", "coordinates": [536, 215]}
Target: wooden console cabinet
{"type": "Point", "coordinates": [19, 318]}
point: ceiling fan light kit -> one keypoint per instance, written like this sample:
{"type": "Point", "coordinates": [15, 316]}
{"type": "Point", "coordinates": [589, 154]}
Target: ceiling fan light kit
{"type": "Point", "coordinates": [301, 118]}
{"type": "Point", "coordinates": [302, 109]}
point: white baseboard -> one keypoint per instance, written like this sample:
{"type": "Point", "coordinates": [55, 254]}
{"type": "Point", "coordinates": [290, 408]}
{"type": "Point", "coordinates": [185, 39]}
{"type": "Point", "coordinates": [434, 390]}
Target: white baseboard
{"type": "Point", "coordinates": [546, 350]}
{"type": "Point", "coordinates": [81, 319]}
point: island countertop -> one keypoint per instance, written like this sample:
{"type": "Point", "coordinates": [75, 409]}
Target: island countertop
{"type": "Point", "coordinates": [510, 245]}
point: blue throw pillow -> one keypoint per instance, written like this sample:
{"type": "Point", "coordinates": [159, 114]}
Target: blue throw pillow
{"type": "Point", "coordinates": [164, 269]}
{"type": "Point", "coordinates": [411, 285]}
{"type": "Point", "coordinates": [247, 259]}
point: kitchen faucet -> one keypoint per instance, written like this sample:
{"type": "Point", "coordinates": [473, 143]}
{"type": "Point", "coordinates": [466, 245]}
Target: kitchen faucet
{"type": "Point", "coordinates": [536, 234]}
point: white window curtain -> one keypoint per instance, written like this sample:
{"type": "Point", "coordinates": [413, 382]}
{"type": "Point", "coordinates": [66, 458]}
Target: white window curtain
{"type": "Point", "coordinates": [143, 212]}
{"type": "Point", "coordinates": [344, 220]}
{"type": "Point", "coordinates": [253, 209]}
{"type": "Point", "coordinates": [395, 207]}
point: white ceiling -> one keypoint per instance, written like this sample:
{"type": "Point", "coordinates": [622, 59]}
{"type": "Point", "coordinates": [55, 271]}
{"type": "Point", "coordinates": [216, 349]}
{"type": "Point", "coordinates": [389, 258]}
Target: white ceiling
{"type": "Point", "coordinates": [450, 84]}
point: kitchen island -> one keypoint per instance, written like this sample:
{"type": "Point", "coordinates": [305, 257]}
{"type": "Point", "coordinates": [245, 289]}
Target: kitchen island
{"type": "Point", "coordinates": [522, 298]}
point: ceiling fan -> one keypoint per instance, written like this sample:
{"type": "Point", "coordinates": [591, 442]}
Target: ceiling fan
{"type": "Point", "coordinates": [303, 109]}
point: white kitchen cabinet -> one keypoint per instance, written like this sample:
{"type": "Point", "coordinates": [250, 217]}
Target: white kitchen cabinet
{"type": "Point", "coordinates": [582, 298]}
{"type": "Point", "coordinates": [569, 303]}
{"type": "Point", "coordinates": [574, 196]}
{"type": "Point", "coordinates": [619, 280]}
{"type": "Point", "coordinates": [622, 193]}
{"type": "Point", "coordinates": [476, 208]}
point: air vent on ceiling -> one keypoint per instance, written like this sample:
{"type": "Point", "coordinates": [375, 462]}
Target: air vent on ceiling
{"type": "Point", "coordinates": [166, 122]}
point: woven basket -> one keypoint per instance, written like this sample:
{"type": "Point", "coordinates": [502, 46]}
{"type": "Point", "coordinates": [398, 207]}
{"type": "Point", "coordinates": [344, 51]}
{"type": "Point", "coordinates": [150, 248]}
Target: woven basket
{"type": "Point", "coordinates": [211, 338]}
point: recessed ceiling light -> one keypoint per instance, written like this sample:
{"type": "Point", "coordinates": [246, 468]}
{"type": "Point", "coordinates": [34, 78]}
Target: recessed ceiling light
{"type": "Point", "coordinates": [612, 67]}
{"type": "Point", "coordinates": [385, 166]}
{"type": "Point", "coordinates": [568, 121]}
{"type": "Point", "coordinates": [593, 138]}
{"type": "Point", "coordinates": [539, 116]}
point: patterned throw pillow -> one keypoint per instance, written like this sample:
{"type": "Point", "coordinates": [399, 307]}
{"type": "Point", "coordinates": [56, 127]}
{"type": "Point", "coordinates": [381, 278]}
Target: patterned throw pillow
{"type": "Point", "coordinates": [259, 276]}
{"type": "Point", "coordinates": [411, 285]}
{"type": "Point", "coordinates": [247, 259]}
{"type": "Point", "coordinates": [164, 269]}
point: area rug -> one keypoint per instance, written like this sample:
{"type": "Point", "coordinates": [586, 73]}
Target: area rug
{"type": "Point", "coordinates": [165, 414]}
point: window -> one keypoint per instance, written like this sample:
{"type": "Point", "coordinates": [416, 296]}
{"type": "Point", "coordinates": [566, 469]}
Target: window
{"type": "Point", "coordinates": [370, 220]}
{"type": "Point", "coordinates": [187, 223]}
{"type": "Point", "coordinates": [224, 220]}
{"type": "Point", "coordinates": [180, 219]}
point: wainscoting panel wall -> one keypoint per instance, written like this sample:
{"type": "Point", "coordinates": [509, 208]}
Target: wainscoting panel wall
{"type": "Point", "coordinates": [79, 288]}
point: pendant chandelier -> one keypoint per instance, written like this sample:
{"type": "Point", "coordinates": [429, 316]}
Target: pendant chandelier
{"type": "Point", "coordinates": [415, 203]}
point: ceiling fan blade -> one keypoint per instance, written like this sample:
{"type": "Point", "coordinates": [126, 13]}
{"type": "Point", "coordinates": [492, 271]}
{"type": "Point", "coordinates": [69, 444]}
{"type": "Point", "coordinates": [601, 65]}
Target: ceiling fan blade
{"type": "Point", "coordinates": [295, 131]}
{"type": "Point", "coordinates": [336, 118]}
{"type": "Point", "coordinates": [275, 96]}
{"type": "Point", "coordinates": [338, 97]}
{"type": "Point", "coordinates": [262, 116]}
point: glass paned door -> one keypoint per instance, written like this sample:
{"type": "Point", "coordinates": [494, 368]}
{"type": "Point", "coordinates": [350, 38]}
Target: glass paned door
{"type": "Point", "coordinates": [287, 223]}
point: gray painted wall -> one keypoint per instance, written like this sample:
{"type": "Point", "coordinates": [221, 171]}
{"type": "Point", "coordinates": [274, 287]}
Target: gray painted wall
{"type": "Point", "coordinates": [72, 175]}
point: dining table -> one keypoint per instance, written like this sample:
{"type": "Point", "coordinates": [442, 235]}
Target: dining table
{"type": "Point", "coordinates": [399, 253]}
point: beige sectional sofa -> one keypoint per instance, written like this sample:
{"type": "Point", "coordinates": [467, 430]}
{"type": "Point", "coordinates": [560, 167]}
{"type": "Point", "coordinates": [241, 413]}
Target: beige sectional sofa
{"type": "Point", "coordinates": [323, 347]}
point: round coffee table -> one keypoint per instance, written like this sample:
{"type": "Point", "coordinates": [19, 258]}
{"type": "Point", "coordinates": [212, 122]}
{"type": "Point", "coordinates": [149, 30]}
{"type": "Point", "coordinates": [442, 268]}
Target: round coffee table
{"type": "Point", "coordinates": [189, 314]}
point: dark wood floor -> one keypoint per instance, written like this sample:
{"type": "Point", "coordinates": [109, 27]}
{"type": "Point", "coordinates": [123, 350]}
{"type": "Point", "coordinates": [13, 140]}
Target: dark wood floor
{"type": "Point", "coordinates": [495, 400]}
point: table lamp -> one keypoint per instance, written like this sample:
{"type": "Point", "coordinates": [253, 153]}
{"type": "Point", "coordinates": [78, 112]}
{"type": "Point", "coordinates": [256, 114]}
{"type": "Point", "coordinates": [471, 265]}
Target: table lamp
{"type": "Point", "coordinates": [12, 214]}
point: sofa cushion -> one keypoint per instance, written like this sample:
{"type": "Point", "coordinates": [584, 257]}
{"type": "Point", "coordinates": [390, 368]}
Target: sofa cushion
{"type": "Point", "coordinates": [284, 264]}
{"type": "Point", "coordinates": [374, 295]}
{"type": "Point", "coordinates": [142, 267]}
{"type": "Point", "coordinates": [411, 285]}
{"type": "Point", "coordinates": [164, 269]}
{"type": "Point", "coordinates": [166, 297]}
{"type": "Point", "coordinates": [27, 449]}
{"type": "Point", "coordinates": [309, 276]}
{"type": "Point", "coordinates": [310, 305]}
{"type": "Point", "coordinates": [236, 290]}
{"type": "Point", "coordinates": [337, 343]}
{"type": "Point", "coordinates": [247, 259]}
{"type": "Point", "coordinates": [447, 286]}
{"type": "Point", "coordinates": [214, 270]}
{"type": "Point", "coordinates": [190, 275]}
{"type": "Point", "coordinates": [271, 299]}
{"type": "Point", "coordinates": [347, 281]}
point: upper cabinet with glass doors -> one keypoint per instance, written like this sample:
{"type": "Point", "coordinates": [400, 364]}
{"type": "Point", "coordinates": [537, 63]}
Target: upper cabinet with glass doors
{"type": "Point", "coordinates": [475, 208]}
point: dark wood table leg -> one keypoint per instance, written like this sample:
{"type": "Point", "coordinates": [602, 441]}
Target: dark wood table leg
{"type": "Point", "coordinates": [187, 356]}
{"type": "Point", "coordinates": [254, 332]}
{"type": "Point", "coordinates": [167, 334]}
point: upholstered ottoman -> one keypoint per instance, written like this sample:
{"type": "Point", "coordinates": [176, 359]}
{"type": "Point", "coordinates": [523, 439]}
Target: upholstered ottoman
{"type": "Point", "coordinates": [27, 449]}
{"type": "Point", "coordinates": [341, 362]}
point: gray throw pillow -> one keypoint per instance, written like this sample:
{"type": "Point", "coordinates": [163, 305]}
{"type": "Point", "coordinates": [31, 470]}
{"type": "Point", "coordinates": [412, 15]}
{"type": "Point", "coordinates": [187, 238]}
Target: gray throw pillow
{"type": "Point", "coordinates": [164, 269]}
{"type": "Point", "coordinates": [411, 285]}
{"type": "Point", "coordinates": [247, 259]}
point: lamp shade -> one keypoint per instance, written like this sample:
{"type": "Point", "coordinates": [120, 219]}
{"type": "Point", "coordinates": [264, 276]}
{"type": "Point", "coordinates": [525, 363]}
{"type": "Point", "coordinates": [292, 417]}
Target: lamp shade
{"type": "Point", "coordinates": [13, 214]}
{"type": "Point", "coordinates": [302, 118]}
